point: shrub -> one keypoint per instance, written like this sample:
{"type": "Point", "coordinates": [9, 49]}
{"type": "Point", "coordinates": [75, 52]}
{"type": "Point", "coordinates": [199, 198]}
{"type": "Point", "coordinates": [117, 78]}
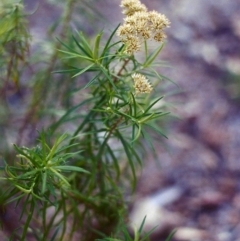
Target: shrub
{"type": "Point", "coordinates": [95, 102]}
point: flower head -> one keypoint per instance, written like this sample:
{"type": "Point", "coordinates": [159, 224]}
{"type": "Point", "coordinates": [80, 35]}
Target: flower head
{"type": "Point", "coordinates": [158, 21]}
{"type": "Point", "coordinates": [130, 7]}
{"type": "Point", "coordinates": [133, 45]}
{"type": "Point", "coordinates": [140, 25]}
{"type": "Point", "coordinates": [141, 84]}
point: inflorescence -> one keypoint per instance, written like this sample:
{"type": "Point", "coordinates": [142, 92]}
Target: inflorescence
{"type": "Point", "coordinates": [141, 84]}
{"type": "Point", "coordinates": [140, 25]}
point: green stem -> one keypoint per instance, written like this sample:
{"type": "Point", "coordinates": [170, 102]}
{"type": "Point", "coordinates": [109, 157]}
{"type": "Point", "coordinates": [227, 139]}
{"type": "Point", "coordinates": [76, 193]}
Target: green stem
{"type": "Point", "coordinates": [29, 218]}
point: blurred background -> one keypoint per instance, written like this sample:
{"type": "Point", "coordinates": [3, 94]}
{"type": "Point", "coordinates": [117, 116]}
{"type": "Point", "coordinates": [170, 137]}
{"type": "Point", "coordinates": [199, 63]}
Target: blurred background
{"type": "Point", "coordinates": [193, 182]}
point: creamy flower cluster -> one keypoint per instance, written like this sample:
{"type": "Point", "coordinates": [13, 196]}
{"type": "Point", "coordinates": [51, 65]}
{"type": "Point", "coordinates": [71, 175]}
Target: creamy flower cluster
{"type": "Point", "coordinates": [140, 25]}
{"type": "Point", "coordinates": [132, 6]}
{"type": "Point", "coordinates": [141, 84]}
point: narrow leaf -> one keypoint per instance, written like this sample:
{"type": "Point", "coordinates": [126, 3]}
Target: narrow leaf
{"type": "Point", "coordinates": [83, 70]}
{"type": "Point", "coordinates": [156, 129]}
{"type": "Point", "coordinates": [71, 168]}
{"type": "Point", "coordinates": [85, 44]}
{"type": "Point", "coordinates": [153, 56]}
{"type": "Point", "coordinates": [152, 104]}
{"type": "Point", "coordinates": [127, 148]}
{"type": "Point", "coordinates": [81, 47]}
{"type": "Point", "coordinates": [74, 55]}
{"type": "Point", "coordinates": [108, 77]}
{"type": "Point", "coordinates": [96, 46]}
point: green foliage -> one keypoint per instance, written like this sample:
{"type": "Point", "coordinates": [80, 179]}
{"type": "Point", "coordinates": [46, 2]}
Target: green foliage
{"type": "Point", "coordinates": [73, 185]}
{"type": "Point", "coordinates": [124, 235]}
{"type": "Point", "coordinates": [14, 39]}
{"type": "Point", "coordinates": [40, 168]}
